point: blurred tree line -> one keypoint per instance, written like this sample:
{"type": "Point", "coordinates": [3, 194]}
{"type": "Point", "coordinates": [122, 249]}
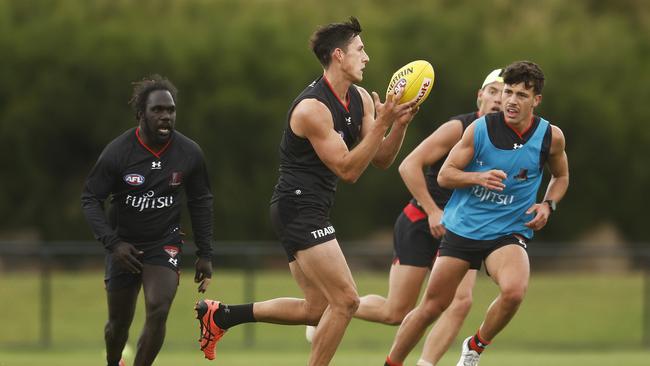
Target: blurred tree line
{"type": "Point", "coordinates": [66, 68]}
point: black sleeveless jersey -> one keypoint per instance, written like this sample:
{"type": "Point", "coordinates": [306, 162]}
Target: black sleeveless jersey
{"type": "Point", "coordinates": [145, 190]}
{"type": "Point", "coordinates": [302, 173]}
{"type": "Point", "coordinates": [441, 195]}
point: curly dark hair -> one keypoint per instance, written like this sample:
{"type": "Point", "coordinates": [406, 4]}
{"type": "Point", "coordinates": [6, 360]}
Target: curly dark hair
{"type": "Point", "coordinates": [332, 36]}
{"type": "Point", "coordinates": [527, 72]}
{"type": "Point", "coordinates": [144, 87]}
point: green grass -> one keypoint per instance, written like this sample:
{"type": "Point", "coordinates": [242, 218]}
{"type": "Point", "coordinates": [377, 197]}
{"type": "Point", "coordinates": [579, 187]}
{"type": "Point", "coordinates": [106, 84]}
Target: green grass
{"type": "Point", "coordinates": [566, 319]}
{"type": "Point", "coordinates": [343, 358]}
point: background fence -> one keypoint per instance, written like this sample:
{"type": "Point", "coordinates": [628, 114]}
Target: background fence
{"type": "Point", "coordinates": [59, 283]}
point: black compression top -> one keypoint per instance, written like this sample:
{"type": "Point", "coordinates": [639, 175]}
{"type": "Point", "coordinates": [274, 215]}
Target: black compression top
{"type": "Point", "coordinates": [145, 191]}
{"type": "Point", "coordinates": [441, 195]}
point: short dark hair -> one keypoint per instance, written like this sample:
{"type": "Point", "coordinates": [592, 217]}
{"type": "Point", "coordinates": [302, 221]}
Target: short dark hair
{"type": "Point", "coordinates": [527, 72]}
{"type": "Point", "coordinates": [144, 87]}
{"type": "Point", "coordinates": [332, 36]}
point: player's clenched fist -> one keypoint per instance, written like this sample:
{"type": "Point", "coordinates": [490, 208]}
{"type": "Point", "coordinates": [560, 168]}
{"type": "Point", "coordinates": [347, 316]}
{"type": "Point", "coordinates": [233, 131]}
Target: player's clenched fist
{"type": "Point", "coordinates": [492, 179]}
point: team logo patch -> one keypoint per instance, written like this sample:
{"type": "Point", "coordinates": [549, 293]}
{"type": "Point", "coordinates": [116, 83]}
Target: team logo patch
{"type": "Point", "coordinates": [176, 179]}
{"type": "Point", "coordinates": [172, 251]}
{"type": "Point", "coordinates": [522, 176]}
{"type": "Point", "coordinates": [134, 179]}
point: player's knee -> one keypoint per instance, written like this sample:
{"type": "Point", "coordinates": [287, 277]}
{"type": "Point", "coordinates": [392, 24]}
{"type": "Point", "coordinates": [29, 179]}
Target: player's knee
{"type": "Point", "coordinates": [347, 303]}
{"type": "Point", "coordinates": [158, 311]}
{"type": "Point", "coordinates": [119, 322]}
{"type": "Point", "coordinates": [352, 303]}
{"type": "Point", "coordinates": [396, 315]}
{"type": "Point", "coordinates": [431, 309]}
{"type": "Point", "coordinates": [513, 296]}
{"type": "Point", "coordinates": [116, 328]}
{"type": "Point", "coordinates": [313, 319]}
{"type": "Point", "coordinates": [438, 302]}
{"type": "Point", "coordinates": [313, 314]}
{"type": "Point", "coordinates": [461, 305]}
{"type": "Point", "coordinates": [394, 318]}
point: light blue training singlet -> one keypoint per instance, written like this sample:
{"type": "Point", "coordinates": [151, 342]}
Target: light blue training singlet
{"type": "Point", "coordinates": [481, 214]}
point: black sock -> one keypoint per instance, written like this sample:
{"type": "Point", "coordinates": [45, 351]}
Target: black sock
{"type": "Point", "coordinates": [230, 315]}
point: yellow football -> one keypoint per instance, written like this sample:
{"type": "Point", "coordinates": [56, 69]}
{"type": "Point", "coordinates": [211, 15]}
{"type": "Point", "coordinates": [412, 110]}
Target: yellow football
{"type": "Point", "coordinates": [416, 78]}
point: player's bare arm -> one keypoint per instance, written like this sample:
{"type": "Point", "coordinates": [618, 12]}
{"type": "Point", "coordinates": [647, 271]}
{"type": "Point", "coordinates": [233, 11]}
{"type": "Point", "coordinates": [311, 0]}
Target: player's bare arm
{"type": "Point", "coordinates": [428, 152]}
{"type": "Point", "coordinates": [452, 174]}
{"type": "Point", "coordinates": [312, 120]}
{"type": "Point", "coordinates": [558, 165]}
{"type": "Point", "coordinates": [398, 116]}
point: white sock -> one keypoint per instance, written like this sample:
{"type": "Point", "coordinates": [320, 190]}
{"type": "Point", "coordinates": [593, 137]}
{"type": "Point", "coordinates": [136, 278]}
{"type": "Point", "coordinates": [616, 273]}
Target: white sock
{"type": "Point", "coordinates": [309, 333]}
{"type": "Point", "coordinates": [422, 362]}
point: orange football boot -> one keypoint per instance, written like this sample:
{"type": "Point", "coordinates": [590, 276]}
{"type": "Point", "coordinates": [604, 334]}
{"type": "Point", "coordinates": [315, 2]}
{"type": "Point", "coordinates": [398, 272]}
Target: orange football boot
{"type": "Point", "coordinates": [210, 332]}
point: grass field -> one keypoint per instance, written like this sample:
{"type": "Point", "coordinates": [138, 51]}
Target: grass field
{"type": "Point", "coordinates": [567, 319]}
{"type": "Point", "coordinates": [343, 358]}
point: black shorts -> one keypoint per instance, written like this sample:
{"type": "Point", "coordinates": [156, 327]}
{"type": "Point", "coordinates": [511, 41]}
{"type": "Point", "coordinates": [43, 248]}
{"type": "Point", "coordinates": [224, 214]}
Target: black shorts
{"type": "Point", "coordinates": [166, 255]}
{"type": "Point", "coordinates": [300, 225]}
{"type": "Point", "coordinates": [413, 244]}
{"type": "Point", "coordinates": [475, 251]}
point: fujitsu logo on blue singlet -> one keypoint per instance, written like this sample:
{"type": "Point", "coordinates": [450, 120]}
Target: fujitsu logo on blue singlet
{"type": "Point", "coordinates": [485, 194]}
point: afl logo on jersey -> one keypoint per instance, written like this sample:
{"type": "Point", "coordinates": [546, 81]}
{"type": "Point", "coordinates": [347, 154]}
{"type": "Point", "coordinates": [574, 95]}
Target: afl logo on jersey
{"type": "Point", "coordinates": [134, 179]}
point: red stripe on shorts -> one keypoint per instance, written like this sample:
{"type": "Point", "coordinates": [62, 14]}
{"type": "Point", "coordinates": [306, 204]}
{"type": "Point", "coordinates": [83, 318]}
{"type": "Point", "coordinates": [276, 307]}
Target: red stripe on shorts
{"type": "Point", "coordinates": [413, 213]}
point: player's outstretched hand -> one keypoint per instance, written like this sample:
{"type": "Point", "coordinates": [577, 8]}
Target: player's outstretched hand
{"type": "Point", "coordinates": [542, 212]}
{"type": "Point", "coordinates": [408, 115]}
{"type": "Point", "coordinates": [492, 179]}
{"type": "Point", "coordinates": [128, 256]}
{"type": "Point", "coordinates": [203, 274]}
{"type": "Point", "coordinates": [391, 111]}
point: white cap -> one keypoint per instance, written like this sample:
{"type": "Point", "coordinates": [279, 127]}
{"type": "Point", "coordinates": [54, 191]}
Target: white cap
{"type": "Point", "coordinates": [495, 75]}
